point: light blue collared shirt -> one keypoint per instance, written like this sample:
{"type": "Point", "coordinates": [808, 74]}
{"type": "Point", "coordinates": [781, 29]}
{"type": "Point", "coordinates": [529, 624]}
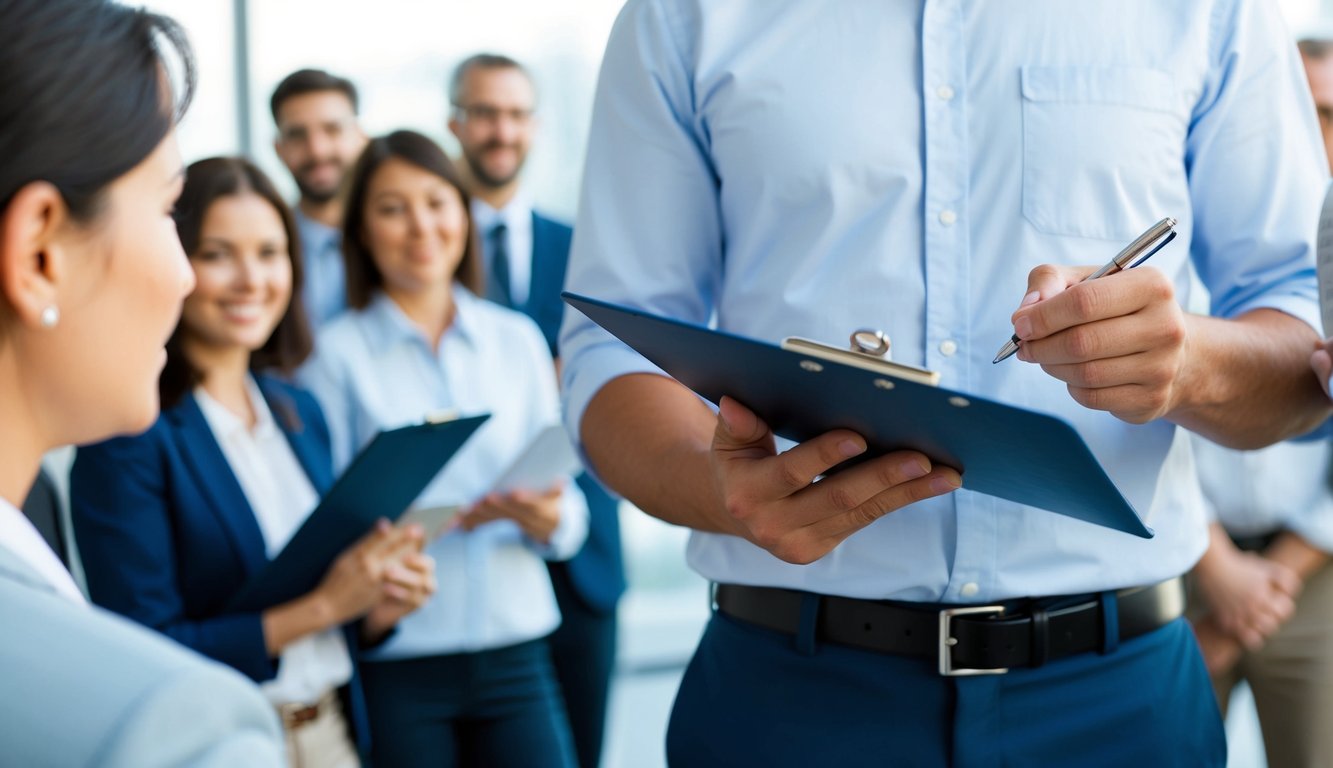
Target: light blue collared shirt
{"type": "Point", "coordinates": [808, 168]}
{"type": "Point", "coordinates": [373, 370]}
{"type": "Point", "coordinates": [325, 288]}
{"type": "Point", "coordinates": [1282, 487]}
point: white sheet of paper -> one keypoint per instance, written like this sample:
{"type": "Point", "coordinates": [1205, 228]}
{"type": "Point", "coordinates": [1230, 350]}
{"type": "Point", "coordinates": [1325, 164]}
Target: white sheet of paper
{"type": "Point", "coordinates": [547, 459]}
{"type": "Point", "coordinates": [433, 520]}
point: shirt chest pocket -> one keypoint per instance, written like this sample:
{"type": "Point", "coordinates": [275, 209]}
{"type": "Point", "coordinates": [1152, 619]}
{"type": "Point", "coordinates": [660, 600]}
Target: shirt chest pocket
{"type": "Point", "coordinates": [1103, 150]}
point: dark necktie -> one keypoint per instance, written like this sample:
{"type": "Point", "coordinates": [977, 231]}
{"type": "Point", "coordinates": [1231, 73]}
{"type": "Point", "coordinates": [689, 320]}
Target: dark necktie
{"type": "Point", "coordinates": [497, 282]}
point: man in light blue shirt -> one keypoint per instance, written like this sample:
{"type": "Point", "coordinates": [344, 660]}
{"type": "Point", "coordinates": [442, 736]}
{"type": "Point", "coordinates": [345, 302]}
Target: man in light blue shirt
{"type": "Point", "coordinates": [318, 139]}
{"type": "Point", "coordinates": [1262, 597]}
{"type": "Point", "coordinates": [927, 169]}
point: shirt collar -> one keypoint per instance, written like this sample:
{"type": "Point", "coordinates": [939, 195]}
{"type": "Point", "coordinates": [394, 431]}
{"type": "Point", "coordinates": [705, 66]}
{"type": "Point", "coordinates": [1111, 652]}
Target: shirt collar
{"type": "Point", "coordinates": [514, 214]}
{"type": "Point", "coordinates": [389, 325]}
{"type": "Point", "coordinates": [227, 424]}
{"type": "Point", "coordinates": [316, 234]}
{"type": "Point", "coordinates": [22, 540]}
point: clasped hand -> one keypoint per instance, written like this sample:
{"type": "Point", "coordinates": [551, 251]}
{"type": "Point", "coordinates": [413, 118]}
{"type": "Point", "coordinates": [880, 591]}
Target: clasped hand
{"type": "Point", "coordinates": [773, 500]}
{"type": "Point", "coordinates": [537, 513]}
{"type": "Point", "coordinates": [1119, 343]}
{"type": "Point", "coordinates": [1249, 597]}
{"type": "Point", "coordinates": [382, 577]}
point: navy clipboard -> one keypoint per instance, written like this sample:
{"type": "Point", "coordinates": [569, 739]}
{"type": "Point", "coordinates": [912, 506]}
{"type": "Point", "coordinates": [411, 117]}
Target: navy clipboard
{"type": "Point", "coordinates": [1015, 454]}
{"type": "Point", "coordinates": [380, 482]}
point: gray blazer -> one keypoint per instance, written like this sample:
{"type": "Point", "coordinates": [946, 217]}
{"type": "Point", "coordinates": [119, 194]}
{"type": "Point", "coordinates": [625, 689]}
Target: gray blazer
{"type": "Point", "coordinates": [82, 687]}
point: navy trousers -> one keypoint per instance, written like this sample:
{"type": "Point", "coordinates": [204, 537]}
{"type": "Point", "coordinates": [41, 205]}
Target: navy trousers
{"type": "Point", "coordinates": [498, 709]}
{"type": "Point", "coordinates": [583, 648]}
{"type": "Point", "coordinates": [754, 697]}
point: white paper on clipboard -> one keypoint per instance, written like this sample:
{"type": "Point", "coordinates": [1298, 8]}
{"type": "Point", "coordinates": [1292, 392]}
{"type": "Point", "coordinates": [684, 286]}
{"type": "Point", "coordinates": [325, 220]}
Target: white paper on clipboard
{"type": "Point", "coordinates": [549, 458]}
{"type": "Point", "coordinates": [434, 521]}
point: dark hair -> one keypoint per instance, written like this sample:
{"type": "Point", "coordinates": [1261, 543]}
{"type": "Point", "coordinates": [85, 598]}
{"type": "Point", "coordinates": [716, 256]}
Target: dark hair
{"type": "Point", "coordinates": [479, 61]}
{"type": "Point", "coordinates": [1315, 47]}
{"type": "Point", "coordinates": [87, 95]}
{"type": "Point", "coordinates": [305, 81]}
{"type": "Point", "coordinates": [363, 277]}
{"type": "Point", "coordinates": [205, 182]}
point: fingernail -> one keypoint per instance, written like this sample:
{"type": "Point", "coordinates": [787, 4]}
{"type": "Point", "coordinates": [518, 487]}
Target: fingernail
{"type": "Point", "coordinates": [942, 485]}
{"type": "Point", "coordinates": [1031, 298]}
{"type": "Point", "coordinates": [914, 468]}
{"type": "Point", "coordinates": [1023, 327]}
{"type": "Point", "coordinates": [850, 448]}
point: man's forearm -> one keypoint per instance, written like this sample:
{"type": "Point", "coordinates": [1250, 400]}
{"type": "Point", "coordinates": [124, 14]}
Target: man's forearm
{"type": "Point", "coordinates": [1248, 383]}
{"type": "Point", "coordinates": [648, 438]}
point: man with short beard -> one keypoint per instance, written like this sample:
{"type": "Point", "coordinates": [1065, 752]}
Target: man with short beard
{"type": "Point", "coordinates": [318, 139]}
{"type": "Point", "coordinates": [524, 256]}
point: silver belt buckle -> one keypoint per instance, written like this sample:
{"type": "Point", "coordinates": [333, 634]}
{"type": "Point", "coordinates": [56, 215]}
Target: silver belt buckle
{"type": "Point", "coordinates": [948, 641]}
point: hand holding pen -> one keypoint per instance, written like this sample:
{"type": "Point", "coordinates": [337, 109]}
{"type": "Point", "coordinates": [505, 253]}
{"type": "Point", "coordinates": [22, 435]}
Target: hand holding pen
{"type": "Point", "coordinates": [1118, 343]}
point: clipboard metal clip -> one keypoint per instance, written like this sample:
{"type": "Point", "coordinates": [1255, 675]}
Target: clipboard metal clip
{"type": "Point", "coordinates": [869, 350]}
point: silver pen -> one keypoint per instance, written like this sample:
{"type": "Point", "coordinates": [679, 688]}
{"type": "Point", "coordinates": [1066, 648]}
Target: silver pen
{"type": "Point", "coordinates": [1134, 254]}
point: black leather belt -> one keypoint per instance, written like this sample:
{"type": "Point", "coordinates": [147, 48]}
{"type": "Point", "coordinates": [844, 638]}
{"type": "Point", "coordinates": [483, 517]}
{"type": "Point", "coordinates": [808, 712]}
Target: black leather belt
{"type": "Point", "coordinates": [966, 639]}
{"type": "Point", "coordinates": [1255, 543]}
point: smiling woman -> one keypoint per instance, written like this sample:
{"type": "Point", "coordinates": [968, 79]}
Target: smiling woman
{"type": "Point", "coordinates": [245, 252]}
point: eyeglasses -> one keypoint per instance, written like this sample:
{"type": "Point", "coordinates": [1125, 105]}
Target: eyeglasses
{"type": "Point", "coordinates": [487, 113]}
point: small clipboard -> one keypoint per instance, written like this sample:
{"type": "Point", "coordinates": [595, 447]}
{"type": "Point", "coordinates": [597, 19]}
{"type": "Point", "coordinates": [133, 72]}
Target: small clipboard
{"type": "Point", "coordinates": [804, 389]}
{"type": "Point", "coordinates": [380, 482]}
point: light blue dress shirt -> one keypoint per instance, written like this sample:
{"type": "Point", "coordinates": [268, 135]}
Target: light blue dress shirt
{"type": "Point", "coordinates": [1282, 487]}
{"type": "Point", "coordinates": [325, 288]}
{"type": "Point", "coordinates": [373, 370]}
{"type": "Point", "coordinates": [809, 168]}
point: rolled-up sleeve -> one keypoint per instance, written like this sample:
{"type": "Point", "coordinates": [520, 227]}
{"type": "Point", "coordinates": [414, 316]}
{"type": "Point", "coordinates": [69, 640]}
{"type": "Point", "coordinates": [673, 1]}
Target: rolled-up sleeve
{"type": "Point", "coordinates": [649, 230]}
{"type": "Point", "coordinates": [1257, 170]}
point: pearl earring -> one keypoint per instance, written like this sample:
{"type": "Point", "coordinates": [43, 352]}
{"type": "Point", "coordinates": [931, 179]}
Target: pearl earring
{"type": "Point", "coordinates": [50, 316]}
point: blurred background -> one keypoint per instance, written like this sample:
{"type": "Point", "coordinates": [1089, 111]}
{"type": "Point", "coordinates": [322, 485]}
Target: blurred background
{"type": "Point", "coordinates": [400, 54]}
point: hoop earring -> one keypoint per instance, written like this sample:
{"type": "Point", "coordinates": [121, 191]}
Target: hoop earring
{"type": "Point", "coordinates": [50, 316]}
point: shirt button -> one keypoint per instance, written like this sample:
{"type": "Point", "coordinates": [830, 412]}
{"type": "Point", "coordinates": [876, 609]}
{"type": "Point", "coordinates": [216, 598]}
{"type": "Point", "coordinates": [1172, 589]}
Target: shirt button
{"type": "Point", "coordinates": [944, 92]}
{"type": "Point", "coordinates": [948, 217]}
{"type": "Point", "coordinates": [948, 347]}
{"type": "Point", "coordinates": [969, 589]}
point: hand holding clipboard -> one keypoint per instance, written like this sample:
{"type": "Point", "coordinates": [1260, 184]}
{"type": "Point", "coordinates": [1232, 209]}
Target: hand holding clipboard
{"type": "Point", "coordinates": [527, 492]}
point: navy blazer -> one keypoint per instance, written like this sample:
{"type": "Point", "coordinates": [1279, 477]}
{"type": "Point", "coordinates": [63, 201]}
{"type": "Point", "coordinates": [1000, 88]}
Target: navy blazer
{"type": "Point", "coordinates": [597, 571]}
{"type": "Point", "coordinates": [167, 537]}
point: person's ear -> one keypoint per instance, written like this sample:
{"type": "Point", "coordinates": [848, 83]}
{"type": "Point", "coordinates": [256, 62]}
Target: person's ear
{"type": "Point", "coordinates": [34, 252]}
{"type": "Point", "coordinates": [454, 128]}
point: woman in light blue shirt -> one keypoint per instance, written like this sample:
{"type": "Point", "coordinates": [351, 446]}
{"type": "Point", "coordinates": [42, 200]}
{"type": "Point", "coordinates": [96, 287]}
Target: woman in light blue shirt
{"type": "Point", "coordinates": [466, 680]}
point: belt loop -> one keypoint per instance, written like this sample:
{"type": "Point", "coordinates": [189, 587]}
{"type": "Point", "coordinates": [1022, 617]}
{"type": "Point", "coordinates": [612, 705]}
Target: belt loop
{"type": "Point", "coordinates": [1041, 636]}
{"type": "Point", "coordinates": [809, 624]}
{"type": "Point", "coordinates": [1110, 622]}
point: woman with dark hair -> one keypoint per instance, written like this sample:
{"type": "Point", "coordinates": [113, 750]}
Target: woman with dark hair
{"type": "Point", "coordinates": [91, 282]}
{"type": "Point", "coordinates": [172, 523]}
{"type": "Point", "coordinates": [467, 680]}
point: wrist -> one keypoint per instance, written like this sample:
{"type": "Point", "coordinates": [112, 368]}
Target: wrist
{"type": "Point", "coordinates": [323, 609]}
{"type": "Point", "coordinates": [375, 626]}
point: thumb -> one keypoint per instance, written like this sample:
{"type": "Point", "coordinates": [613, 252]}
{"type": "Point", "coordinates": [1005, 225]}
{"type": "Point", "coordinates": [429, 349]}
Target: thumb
{"type": "Point", "coordinates": [740, 433]}
{"type": "Point", "coordinates": [739, 427]}
{"type": "Point", "coordinates": [1322, 363]}
{"type": "Point", "coordinates": [1048, 280]}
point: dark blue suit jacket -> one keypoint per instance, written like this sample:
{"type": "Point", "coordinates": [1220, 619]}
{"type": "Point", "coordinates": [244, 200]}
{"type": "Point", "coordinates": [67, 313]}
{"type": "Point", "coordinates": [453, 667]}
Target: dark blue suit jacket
{"type": "Point", "coordinates": [167, 537]}
{"type": "Point", "coordinates": [597, 571]}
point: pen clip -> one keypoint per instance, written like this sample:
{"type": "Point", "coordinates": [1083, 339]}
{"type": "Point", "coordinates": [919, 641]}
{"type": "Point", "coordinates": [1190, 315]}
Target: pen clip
{"type": "Point", "coordinates": [1169, 237]}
